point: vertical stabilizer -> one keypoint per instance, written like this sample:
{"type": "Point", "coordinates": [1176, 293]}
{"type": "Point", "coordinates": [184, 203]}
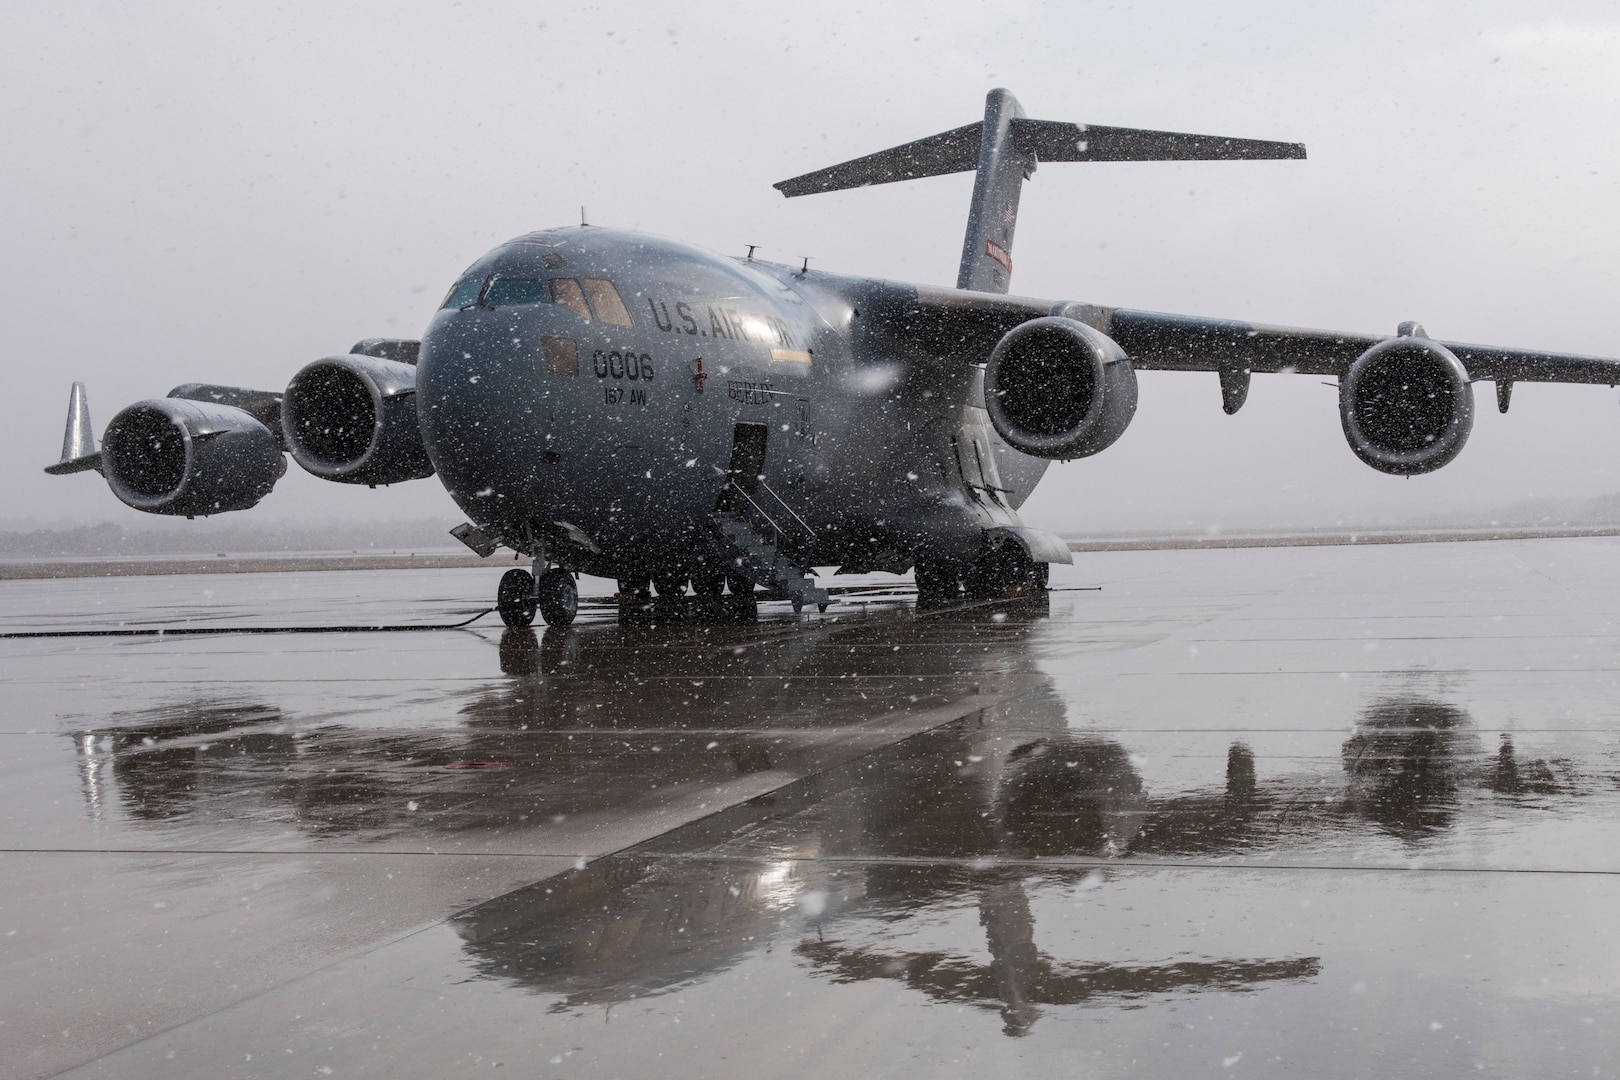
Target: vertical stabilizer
{"type": "Point", "coordinates": [1003, 150]}
{"type": "Point", "coordinates": [1003, 168]}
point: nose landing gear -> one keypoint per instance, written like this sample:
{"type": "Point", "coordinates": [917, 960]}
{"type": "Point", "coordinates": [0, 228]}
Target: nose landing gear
{"type": "Point", "coordinates": [516, 599]}
{"type": "Point", "coordinates": [559, 597]}
{"type": "Point", "coordinates": [553, 595]}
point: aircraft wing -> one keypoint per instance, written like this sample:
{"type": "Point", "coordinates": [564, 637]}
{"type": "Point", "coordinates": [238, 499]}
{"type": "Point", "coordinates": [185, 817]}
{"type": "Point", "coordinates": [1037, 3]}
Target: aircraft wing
{"type": "Point", "coordinates": [1156, 341]}
{"type": "Point", "coordinates": [970, 324]}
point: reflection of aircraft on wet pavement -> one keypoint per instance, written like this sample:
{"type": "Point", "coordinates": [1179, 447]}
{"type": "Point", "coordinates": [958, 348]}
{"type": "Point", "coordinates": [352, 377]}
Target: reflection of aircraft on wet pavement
{"type": "Point", "coordinates": [1022, 979]}
{"type": "Point", "coordinates": [972, 808]}
{"type": "Point", "coordinates": [1404, 769]}
{"type": "Point", "coordinates": [969, 831]}
{"type": "Point", "coordinates": [980, 813]}
{"type": "Point", "coordinates": [622, 405]}
{"type": "Point", "coordinates": [642, 726]}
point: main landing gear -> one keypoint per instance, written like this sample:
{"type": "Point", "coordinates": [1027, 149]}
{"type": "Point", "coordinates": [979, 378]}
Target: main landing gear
{"type": "Point", "coordinates": [1002, 572]}
{"type": "Point", "coordinates": [710, 601]}
{"type": "Point", "coordinates": [553, 594]}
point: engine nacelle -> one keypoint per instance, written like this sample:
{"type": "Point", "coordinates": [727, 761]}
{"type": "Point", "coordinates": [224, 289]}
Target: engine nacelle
{"type": "Point", "coordinates": [173, 456]}
{"type": "Point", "coordinates": [352, 419]}
{"type": "Point", "coordinates": [1407, 406]}
{"type": "Point", "coordinates": [1056, 388]}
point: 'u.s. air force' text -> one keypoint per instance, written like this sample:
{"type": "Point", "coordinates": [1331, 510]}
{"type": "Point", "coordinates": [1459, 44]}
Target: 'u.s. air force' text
{"type": "Point", "coordinates": [725, 323]}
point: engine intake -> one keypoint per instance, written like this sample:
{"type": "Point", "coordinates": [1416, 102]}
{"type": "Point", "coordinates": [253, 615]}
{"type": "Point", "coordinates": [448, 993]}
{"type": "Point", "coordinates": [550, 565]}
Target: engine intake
{"type": "Point", "coordinates": [173, 456]}
{"type": "Point", "coordinates": [352, 419]}
{"type": "Point", "coordinates": [1056, 388]}
{"type": "Point", "coordinates": [1407, 406]}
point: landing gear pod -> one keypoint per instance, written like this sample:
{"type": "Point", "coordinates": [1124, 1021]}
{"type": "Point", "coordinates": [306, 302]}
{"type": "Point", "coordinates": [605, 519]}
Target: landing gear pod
{"type": "Point", "coordinates": [1056, 388]}
{"type": "Point", "coordinates": [173, 456]}
{"type": "Point", "coordinates": [1407, 406]}
{"type": "Point", "coordinates": [352, 419]}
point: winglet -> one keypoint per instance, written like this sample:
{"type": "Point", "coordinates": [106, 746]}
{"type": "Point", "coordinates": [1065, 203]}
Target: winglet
{"type": "Point", "coordinates": [78, 440]}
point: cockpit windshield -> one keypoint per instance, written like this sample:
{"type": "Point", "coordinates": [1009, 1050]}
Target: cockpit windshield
{"type": "Point", "coordinates": [506, 292]}
{"type": "Point", "coordinates": [605, 299]}
{"type": "Point", "coordinates": [464, 294]}
{"type": "Point", "coordinates": [496, 292]}
{"type": "Point", "coordinates": [566, 291]}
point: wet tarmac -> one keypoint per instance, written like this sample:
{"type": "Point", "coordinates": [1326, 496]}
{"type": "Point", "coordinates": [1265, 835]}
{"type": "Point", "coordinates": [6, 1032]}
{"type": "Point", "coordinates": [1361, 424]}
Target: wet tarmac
{"type": "Point", "coordinates": [1263, 812]}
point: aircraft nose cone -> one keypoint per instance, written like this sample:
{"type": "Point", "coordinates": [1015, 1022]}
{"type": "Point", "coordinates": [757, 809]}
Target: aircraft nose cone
{"type": "Point", "coordinates": [478, 404]}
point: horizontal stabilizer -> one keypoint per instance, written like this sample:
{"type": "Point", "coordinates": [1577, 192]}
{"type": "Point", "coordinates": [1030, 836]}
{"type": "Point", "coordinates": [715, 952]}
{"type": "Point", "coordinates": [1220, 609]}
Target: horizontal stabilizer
{"type": "Point", "coordinates": [1004, 150]}
{"type": "Point", "coordinates": [948, 152]}
{"type": "Point", "coordinates": [1053, 140]}
{"type": "Point", "coordinates": [1041, 140]}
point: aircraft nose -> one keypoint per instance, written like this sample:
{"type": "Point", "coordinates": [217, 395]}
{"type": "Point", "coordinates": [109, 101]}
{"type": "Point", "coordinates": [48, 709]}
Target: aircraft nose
{"type": "Point", "coordinates": [478, 404]}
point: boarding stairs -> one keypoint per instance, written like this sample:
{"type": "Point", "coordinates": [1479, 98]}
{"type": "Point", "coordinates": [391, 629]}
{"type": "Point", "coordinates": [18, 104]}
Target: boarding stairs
{"type": "Point", "coordinates": [754, 538]}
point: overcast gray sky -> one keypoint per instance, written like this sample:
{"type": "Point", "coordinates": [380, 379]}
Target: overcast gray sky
{"type": "Point", "coordinates": [225, 192]}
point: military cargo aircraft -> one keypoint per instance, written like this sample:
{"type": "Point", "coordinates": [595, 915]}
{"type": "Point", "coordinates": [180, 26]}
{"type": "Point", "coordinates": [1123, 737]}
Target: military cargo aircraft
{"type": "Point", "coordinates": [623, 405]}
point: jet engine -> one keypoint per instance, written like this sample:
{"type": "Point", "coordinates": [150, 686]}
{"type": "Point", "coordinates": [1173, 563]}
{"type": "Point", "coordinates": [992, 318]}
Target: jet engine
{"type": "Point", "coordinates": [352, 419]}
{"type": "Point", "coordinates": [1407, 405]}
{"type": "Point", "coordinates": [1056, 388]}
{"type": "Point", "coordinates": [174, 456]}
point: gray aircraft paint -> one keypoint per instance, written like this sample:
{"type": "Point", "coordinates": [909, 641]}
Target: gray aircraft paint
{"type": "Point", "coordinates": [601, 442]}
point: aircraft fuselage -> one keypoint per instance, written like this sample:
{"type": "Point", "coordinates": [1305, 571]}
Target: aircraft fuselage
{"type": "Point", "coordinates": [601, 388]}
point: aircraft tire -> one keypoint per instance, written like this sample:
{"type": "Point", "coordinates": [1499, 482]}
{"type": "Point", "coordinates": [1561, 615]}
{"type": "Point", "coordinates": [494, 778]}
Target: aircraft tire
{"type": "Point", "coordinates": [638, 590]}
{"type": "Point", "coordinates": [743, 603]}
{"type": "Point", "coordinates": [558, 597]}
{"type": "Point", "coordinates": [1006, 571]}
{"type": "Point", "coordinates": [936, 583]}
{"type": "Point", "coordinates": [515, 598]}
{"type": "Point", "coordinates": [708, 584]}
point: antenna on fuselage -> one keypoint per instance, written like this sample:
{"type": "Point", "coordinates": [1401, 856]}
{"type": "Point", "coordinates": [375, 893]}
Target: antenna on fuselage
{"type": "Point", "coordinates": [1004, 149]}
{"type": "Point", "coordinates": [582, 222]}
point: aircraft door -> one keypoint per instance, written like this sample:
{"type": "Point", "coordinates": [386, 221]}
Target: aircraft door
{"type": "Point", "coordinates": [748, 454]}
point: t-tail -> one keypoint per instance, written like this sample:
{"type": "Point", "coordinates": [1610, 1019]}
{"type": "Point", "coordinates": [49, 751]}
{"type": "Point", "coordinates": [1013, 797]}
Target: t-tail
{"type": "Point", "coordinates": [1003, 150]}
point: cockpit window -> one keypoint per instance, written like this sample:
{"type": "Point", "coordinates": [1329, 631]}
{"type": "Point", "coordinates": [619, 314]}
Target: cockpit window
{"type": "Point", "coordinates": [605, 299]}
{"type": "Point", "coordinates": [464, 294]}
{"type": "Point", "coordinates": [505, 292]}
{"type": "Point", "coordinates": [566, 291]}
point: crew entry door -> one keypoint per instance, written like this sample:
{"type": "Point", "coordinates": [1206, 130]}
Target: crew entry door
{"type": "Point", "coordinates": [747, 464]}
{"type": "Point", "coordinates": [748, 455]}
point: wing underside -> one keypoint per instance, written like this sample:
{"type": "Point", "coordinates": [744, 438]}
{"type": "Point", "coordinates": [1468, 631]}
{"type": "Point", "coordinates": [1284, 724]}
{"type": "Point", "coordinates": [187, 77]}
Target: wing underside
{"type": "Point", "coordinates": [1156, 341]}
{"type": "Point", "coordinates": [970, 324]}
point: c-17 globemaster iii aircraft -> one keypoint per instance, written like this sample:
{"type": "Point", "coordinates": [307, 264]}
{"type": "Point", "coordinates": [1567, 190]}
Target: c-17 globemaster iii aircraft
{"type": "Point", "coordinates": [627, 406]}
